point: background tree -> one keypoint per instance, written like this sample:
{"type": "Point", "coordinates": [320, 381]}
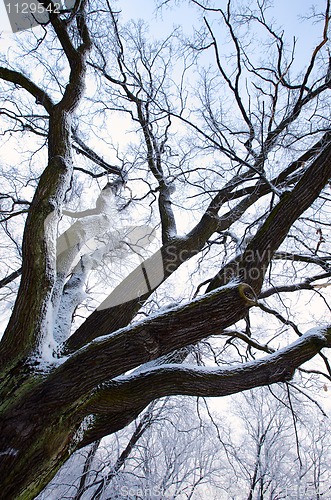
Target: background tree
{"type": "Point", "coordinates": [237, 146]}
{"type": "Point", "coordinates": [274, 456]}
{"type": "Point", "coordinates": [266, 444]}
{"type": "Point", "coordinates": [171, 452]}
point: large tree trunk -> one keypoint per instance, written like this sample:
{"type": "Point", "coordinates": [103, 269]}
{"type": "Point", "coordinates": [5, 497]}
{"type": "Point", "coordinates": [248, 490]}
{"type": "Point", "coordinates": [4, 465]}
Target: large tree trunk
{"type": "Point", "coordinates": [59, 394]}
{"type": "Point", "coordinates": [49, 416]}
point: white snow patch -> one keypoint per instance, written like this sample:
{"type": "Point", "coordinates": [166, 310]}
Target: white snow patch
{"type": "Point", "coordinates": [10, 451]}
{"type": "Point", "coordinates": [317, 331]}
{"type": "Point", "coordinates": [46, 356]}
{"type": "Point", "coordinates": [148, 367]}
{"type": "Point", "coordinates": [48, 345]}
{"type": "Point", "coordinates": [50, 228]}
{"type": "Point", "coordinates": [86, 424]}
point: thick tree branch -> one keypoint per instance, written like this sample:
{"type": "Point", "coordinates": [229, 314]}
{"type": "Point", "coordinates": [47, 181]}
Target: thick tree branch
{"type": "Point", "coordinates": [125, 394]}
{"type": "Point", "coordinates": [323, 262]}
{"type": "Point", "coordinates": [23, 81]}
{"type": "Point", "coordinates": [132, 346]}
{"type": "Point", "coordinates": [127, 298]}
{"type": "Point", "coordinates": [123, 305]}
{"type": "Point", "coordinates": [251, 266]}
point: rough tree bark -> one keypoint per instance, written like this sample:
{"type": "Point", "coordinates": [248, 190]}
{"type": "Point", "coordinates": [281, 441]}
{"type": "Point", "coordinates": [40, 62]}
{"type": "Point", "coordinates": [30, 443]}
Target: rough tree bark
{"type": "Point", "coordinates": [83, 394]}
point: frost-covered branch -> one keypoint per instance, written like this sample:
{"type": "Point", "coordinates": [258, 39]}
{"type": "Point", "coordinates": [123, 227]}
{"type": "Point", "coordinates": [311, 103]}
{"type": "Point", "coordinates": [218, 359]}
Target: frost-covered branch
{"type": "Point", "coordinates": [30, 322]}
{"type": "Point", "coordinates": [119, 243]}
{"type": "Point", "coordinates": [128, 392]}
{"type": "Point", "coordinates": [134, 345]}
{"type": "Point", "coordinates": [252, 264]}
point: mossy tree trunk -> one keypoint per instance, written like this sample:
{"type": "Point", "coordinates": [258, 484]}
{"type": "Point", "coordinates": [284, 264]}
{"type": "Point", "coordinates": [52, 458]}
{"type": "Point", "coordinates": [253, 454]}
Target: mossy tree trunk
{"type": "Point", "coordinates": [49, 412]}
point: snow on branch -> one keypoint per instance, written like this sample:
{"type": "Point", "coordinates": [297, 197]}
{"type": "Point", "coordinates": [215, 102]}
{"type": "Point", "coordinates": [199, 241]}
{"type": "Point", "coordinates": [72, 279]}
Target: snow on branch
{"type": "Point", "coordinates": [129, 391]}
{"type": "Point", "coordinates": [97, 234]}
{"type": "Point", "coordinates": [128, 348]}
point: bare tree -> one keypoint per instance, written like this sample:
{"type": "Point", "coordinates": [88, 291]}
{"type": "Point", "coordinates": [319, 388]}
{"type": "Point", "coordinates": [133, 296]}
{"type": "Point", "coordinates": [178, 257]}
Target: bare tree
{"type": "Point", "coordinates": [271, 447]}
{"type": "Point", "coordinates": [268, 444]}
{"type": "Point", "coordinates": [171, 452]}
{"type": "Point", "coordinates": [241, 152]}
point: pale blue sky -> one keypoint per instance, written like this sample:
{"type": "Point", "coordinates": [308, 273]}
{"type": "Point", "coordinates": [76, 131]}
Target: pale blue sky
{"type": "Point", "coordinates": [285, 11]}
